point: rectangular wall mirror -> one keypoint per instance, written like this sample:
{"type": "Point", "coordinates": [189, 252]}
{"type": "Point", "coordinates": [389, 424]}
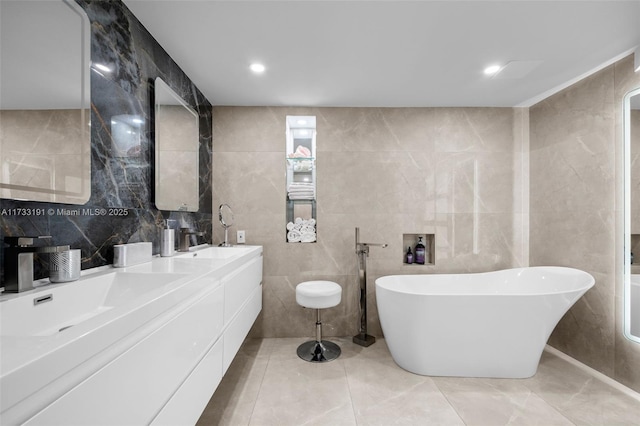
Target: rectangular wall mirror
{"type": "Point", "coordinates": [301, 179]}
{"type": "Point", "coordinates": [632, 215]}
{"type": "Point", "coordinates": [177, 141]}
{"type": "Point", "coordinates": [45, 143]}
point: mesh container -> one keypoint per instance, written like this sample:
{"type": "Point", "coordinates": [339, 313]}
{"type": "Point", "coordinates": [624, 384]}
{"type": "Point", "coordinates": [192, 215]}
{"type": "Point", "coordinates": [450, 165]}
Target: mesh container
{"type": "Point", "coordinates": [64, 266]}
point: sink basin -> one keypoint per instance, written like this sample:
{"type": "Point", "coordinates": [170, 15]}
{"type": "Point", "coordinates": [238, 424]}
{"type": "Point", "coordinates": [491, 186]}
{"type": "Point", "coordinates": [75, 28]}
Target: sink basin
{"type": "Point", "coordinates": [217, 252]}
{"type": "Point", "coordinates": [56, 308]}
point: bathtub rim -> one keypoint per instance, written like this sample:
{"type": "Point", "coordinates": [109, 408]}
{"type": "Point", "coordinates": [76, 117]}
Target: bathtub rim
{"type": "Point", "coordinates": [386, 283]}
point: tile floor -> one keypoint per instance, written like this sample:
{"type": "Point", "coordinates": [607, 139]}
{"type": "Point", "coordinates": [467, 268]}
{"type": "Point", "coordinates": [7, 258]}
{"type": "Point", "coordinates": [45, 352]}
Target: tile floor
{"type": "Point", "coordinates": [267, 384]}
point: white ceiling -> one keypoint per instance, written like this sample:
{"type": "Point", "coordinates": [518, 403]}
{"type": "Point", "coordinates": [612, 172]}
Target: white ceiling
{"type": "Point", "coordinates": [387, 53]}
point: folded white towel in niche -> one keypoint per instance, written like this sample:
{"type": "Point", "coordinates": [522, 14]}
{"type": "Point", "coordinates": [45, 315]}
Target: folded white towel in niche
{"type": "Point", "coordinates": [294, 236]}
{"type": "Point", "coordinates": [302, 166]}
{"type": "Point", "coordinates": [308, 237]}
{"type": "Point", "coordinates": [301, 197]}
{"type": "Point", "coordinates": [304, 187]}
{"type": "Point", "coordinates": [307, 229]}
{"type": "Point", "coordinates": [301, 230]}
{"type": "Point", "coordinates": [302, 191]}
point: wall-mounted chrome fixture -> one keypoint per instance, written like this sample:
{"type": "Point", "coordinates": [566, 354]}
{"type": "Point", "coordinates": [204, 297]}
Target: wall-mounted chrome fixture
{"type": "Point", "coordinates": [362, 250]}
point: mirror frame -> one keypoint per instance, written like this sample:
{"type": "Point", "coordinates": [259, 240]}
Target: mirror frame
{"type": "Point", "coordinates": [47, 195]}
{"type": "Point", "coordinates": [159, 200]}
{"type": "Point", "coordinates": [626, 120]}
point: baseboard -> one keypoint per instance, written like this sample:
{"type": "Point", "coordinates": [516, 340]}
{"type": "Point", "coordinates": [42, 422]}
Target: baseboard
{"type": "Point", "coordinates": [595, 373]}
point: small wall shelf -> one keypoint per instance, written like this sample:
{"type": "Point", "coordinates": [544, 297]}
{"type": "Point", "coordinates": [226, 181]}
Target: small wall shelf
{"type": "Point", "coordinates": [429, 241]}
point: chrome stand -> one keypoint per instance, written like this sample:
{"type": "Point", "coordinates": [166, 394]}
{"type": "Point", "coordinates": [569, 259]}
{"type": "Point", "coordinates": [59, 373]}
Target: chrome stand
{"type": "Point", "coordinates": [226, 218]}
{"type": "Point", "coordinates": [362, 250]}
{"type": "Point", "coordinates": [318, 350]}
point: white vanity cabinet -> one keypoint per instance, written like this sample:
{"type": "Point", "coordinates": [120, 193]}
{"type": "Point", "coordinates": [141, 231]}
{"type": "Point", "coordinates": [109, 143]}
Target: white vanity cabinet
{"type": "Point", "coordinates": [242, 304]}
{"type": "Point", "coordinates": [167, 369]}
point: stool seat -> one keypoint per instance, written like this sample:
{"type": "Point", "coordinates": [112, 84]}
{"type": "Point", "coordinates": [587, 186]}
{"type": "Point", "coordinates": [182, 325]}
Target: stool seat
{"type": "Point", "coordinates": [318, 294]}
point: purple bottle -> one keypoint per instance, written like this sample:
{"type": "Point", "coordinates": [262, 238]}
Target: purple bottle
{"type": "Point", "coordinates": [420, 252]}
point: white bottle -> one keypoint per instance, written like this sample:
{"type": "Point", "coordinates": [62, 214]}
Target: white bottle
{"type": "Point", "coordinates": [167, 240]}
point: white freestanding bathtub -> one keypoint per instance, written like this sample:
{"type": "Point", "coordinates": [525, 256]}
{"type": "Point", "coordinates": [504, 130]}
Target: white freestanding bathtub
{"type": "Point", "coordinates": [492, 324]}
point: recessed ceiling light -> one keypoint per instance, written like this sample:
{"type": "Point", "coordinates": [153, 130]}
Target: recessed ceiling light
{"type": "Point", "coordinates": [491, 70]}
{"type": "Point", "coordinates": [301, 122]}
{"type": "Point", "coordinates": [257, 68]}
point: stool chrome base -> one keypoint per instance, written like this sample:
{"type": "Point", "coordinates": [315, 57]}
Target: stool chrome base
{"type": "Point", "coordinates": [314, 351]}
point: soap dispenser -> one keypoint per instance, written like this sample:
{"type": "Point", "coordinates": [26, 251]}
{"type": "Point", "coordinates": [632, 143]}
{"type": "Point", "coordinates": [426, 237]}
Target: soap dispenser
{"type": "Point", "coordinates": [420, 252]}
{"type": "Point", "coordinates": [167, 240]}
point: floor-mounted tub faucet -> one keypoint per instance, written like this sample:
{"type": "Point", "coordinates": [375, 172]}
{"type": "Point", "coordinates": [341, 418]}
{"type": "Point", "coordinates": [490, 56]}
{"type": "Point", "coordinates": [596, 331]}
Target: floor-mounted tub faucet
{"type": "Point", "coordinates": [18, 261]}
{"type": "Point", "coordinates": [185, 234]}
{"type": "Point", "coordinates": [362, 250]}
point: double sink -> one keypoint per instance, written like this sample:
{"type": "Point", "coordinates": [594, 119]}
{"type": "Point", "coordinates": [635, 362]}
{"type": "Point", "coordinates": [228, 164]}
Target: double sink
{"type": "Point", "coordinates": [48, 332]}
{"type": "Point", "coordinates": [54, 308]}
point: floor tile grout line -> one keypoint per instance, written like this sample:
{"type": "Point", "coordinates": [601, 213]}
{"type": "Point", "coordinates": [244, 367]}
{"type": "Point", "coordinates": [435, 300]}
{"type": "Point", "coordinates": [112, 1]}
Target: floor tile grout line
{"type": "Point", "coordinates": [264, 373]}
{"type": "Point", "coordinates": [550, 404]}
{"type": "Point", "coordinates": [444, 395]}
{"type": "Point", "coordinates": [353, 407]}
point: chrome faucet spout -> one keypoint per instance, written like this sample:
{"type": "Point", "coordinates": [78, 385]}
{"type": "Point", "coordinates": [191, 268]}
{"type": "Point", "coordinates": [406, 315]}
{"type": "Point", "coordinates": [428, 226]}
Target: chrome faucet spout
{"type": "Point", "coordinates": [18, 261]}
{"type": "Point", "coordinates": [375, 244]}
{"type": "Point", "coordinates": [185, 234]}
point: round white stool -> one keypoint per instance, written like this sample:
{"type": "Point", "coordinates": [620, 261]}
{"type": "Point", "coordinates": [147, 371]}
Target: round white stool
{"type": "Point", "coordinates": [318, 295]}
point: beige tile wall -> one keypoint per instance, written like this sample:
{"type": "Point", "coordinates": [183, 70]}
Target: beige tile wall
{"type": "Point", "coordinates": [576, 212]}
{"type": "Point", "coordinates": [457, 172]}
{"type": "Point", "coordinates": [499, 187]}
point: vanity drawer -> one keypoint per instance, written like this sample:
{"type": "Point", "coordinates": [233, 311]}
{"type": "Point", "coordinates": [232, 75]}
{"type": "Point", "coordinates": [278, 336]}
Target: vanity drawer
{"type": "Point", "coordinates": [131, 388]}
{"type": "Point", "coordinates": [239, 286]}
{"type": "Point", "coordinates": [237, 331]}
{"type": "Point", "coordinates": [187, 404]}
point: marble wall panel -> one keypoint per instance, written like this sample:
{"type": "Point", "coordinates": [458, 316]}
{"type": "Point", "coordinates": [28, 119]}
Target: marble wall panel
{"type": "Point", "coordinates": [122, 186]}
{"type": "Point", "coordinates": [388, 171]}
{"type": "Point", "coordinates": [576, 212]}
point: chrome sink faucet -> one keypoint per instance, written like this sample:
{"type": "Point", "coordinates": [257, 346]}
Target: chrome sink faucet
{"type": "Point", "coordinates": [185, 234]}
{"type": "Point", "coordinates": [18, 261]}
